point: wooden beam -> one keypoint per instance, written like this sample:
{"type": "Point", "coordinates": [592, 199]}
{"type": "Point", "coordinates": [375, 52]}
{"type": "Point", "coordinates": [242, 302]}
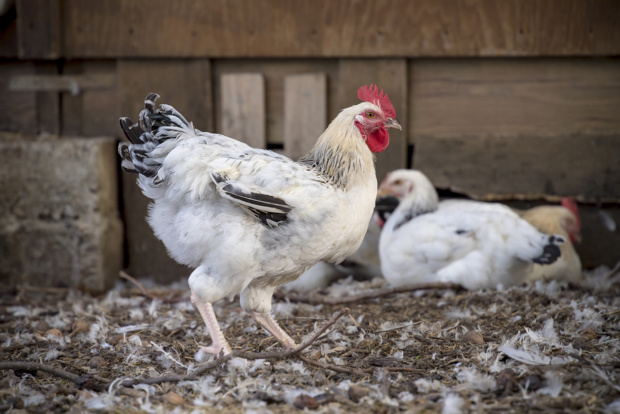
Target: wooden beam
{"type": "Point", "coordinates": [39, 29]}
{"type": "Point", "coordinates": [391, 76]}
{"type": "Point", "coordinates": [586, 167]}
{"type": "Point", "coordinates": [48, 102]}
{"type": "Point", "coordinates": [243, 108]}
{"type": "Point", "coordinates": [502, 129]}
{"type": "Point", "coordinates": [62, 83]}
{"type": "Point", "coordinates": [469, 97]}
{"type": "Point", "coordinates": [326, 28]}
{"type": "Point", "coordinates": [305, 112]}
{"type": "Point", "coordinates": [19, 109]}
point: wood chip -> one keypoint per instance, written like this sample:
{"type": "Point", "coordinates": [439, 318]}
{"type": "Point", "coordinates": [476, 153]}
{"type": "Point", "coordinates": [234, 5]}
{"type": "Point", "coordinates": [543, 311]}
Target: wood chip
{"type": "Point", "coordinates": [305, 401]}
{"type": "Point", "coordinates": [472, 337]}
{"type": "Point", "coordinates": [589, 334]}
{"type": "Point", "coordinates": [174, 398]}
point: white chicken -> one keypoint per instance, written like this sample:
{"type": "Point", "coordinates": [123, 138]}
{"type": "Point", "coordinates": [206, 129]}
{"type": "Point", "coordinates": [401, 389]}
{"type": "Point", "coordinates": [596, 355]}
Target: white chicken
{"type": "Point", "coordinates": [363, 264]}
{"type": "Point", "coordinates": [477, 245]}
{"type": "Point", "coordinates": [249, 220]}
{"type": "Point", "coordinates": [562, 220]}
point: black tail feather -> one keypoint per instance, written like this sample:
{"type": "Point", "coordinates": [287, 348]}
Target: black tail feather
{"type": "Point", "coordinates": [154, 127]}
{"type": "Point", "coordinates": [132, 131]}
{"type": "Point", "coordinates": [551, 251]}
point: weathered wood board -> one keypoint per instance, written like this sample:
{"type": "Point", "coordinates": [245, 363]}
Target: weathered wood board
{"type": "Point", "coordinates": [502, 168]}
{"type": "Point", "coordinates": [8, 34]}
{"type": "Point", "coordinates": [48, 102]}
{"type": "Point", "coordinates": [391, 76]}
{"type": "Point", "coordinates": [19, 108]}
{"type": "Point", "coordinates": [243, 108]}
{"type": "Point", "coordinates": [305, 112]}
{"type": "Point", "coordinates": [274, 71]}
{"type": "Point", "coordinates": [184, 84]}
{"type": "Point", "coordinates": [504, 128]}
{"type": "Point", "coordinates": [325, 28]}
{"type": "Point", "coordinates": [39, 29]}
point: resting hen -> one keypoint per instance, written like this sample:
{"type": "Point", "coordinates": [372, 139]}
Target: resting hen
{"type": "Point", "coordinates": [562, 220]}
{"type": "Point", "coordinates": [478, 245]}
{"type": "Point", "coordinates": [249, 220]}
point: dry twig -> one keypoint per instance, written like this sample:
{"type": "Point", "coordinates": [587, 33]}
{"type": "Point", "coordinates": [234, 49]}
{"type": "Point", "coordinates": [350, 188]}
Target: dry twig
{"type": "Point", "coordinates": [330, 300]}
{"type": "Point", "coordinates": [144, 292]}
{"type": "Point", "coordinates": [57, 372]}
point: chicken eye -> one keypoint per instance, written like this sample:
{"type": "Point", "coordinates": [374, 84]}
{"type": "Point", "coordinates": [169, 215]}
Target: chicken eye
{"type": "Point", "coordinates": [398, 182]}
{"type": "Point", "coordinates": [370, 115]}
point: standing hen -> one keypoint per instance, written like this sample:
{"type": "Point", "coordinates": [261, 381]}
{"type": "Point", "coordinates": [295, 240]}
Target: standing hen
{"type": "Point", "coordinates": [478, 245]}
{"type": "Point", "coordinates": [249, 220]}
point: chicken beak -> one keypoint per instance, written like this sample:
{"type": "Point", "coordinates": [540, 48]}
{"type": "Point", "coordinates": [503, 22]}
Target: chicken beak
{"type": "Point", "coordinates": [392, 123]}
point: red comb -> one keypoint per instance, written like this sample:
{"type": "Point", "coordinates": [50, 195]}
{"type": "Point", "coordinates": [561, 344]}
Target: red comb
{"type": "Point", "coordinates": [570, 204]}
{"type": "Point", "coordinates": [380, 99]}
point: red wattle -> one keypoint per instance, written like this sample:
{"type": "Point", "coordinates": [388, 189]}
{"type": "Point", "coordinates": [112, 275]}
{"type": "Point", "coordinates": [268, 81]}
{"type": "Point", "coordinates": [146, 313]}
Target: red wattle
{"type": "Point", "coordinates": [378, 140]}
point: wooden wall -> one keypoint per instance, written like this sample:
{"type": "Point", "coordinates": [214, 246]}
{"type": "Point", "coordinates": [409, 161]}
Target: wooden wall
{"type": "Point", "coordinates": [500, 100]}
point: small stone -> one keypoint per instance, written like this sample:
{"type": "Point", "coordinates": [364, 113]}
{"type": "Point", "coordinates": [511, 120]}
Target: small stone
{"type": "Point", "coordinates": [114, 339]}
{"type": "Point", "coordinates": [97, 362]}
{"type": "Point", "coordinates": [53, 334]}
{"type": "Point", "coordinates": [174, 398]}
{"type": "Point", "coordinates": [582, 343]}
{"type": "Point", "coordinates": [505, 380]}
{"type": "Point", "coordinates": [532, 382]}
{"type": "Point", "coordinates": [589, 334]}
{"type": "Point", "coordinates": [41, 326]}
{"type": "Point", "coordinates": [472, 337]}
{"type": "Point", "coordinates": [81, 326]}
{"type": "Point", "coordinates": [357, 392]}
{"type": "Point", "coordinates": [85, 382]}
{"type": "Point", "coordinates": [305, 401]}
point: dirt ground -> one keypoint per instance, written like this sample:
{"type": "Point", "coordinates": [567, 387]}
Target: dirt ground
{"type": "Point", "coordinates": [541, 348]}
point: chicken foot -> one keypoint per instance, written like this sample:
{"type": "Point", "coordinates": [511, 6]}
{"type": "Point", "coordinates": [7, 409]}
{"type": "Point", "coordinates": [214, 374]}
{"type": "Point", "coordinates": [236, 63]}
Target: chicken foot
{"type": "Point", "coordinates": [219, 344]}
{"type": "Point", "coordinates": [266, 321]}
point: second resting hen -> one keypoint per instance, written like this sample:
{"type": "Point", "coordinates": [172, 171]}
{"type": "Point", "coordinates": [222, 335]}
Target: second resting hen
{"type": "Point", "coordinates": [477, 245]}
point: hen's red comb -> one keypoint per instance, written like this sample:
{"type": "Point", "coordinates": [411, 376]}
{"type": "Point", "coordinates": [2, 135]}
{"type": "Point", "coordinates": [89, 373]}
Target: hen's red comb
{"type": "Point", "coordinates": [373, 95]}
{"type": "Point", "coordinates": [571, 205]}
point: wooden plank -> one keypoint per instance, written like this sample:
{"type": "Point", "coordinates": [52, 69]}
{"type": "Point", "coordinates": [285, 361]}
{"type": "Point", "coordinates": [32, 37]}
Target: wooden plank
{"type": "Point", "coordinates": [305, 112]}
{"type": "Point", "coordinates": [19, 109]}
{"type": "Point", "coordinates": [62, 83]}
{"type": "Point", "coordinates": [100, 107]}
{"type": "Point", "coordinates": [39, 29]}
{"type": "Point", "coordinates": [186, 85]}
{"type": "Point", "coordinates": [8, 34]}
{"type": "Point", "coordinates": [274, 72]}
{"type": "Point", "coordinates": [524, 166]}
{"type": "Point", "coordinates": [48, 102]}
{"type": "Point", "coordinates": [71, 112]}
{"type": "Point", "coordinates": [325, 28]}
{"type": "Point", "coordinates": [496, 128]}
{"type": "Point", "coordinates": [391, 76]}
{"type": "Point", "coordinates": [510, 97]}
{"type": "Point", "coordinates": [243, 108]}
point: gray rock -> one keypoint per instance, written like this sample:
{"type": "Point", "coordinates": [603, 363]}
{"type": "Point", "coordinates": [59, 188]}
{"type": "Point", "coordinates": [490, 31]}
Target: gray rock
{"type": "Point", "coordinates": [59, 218]}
